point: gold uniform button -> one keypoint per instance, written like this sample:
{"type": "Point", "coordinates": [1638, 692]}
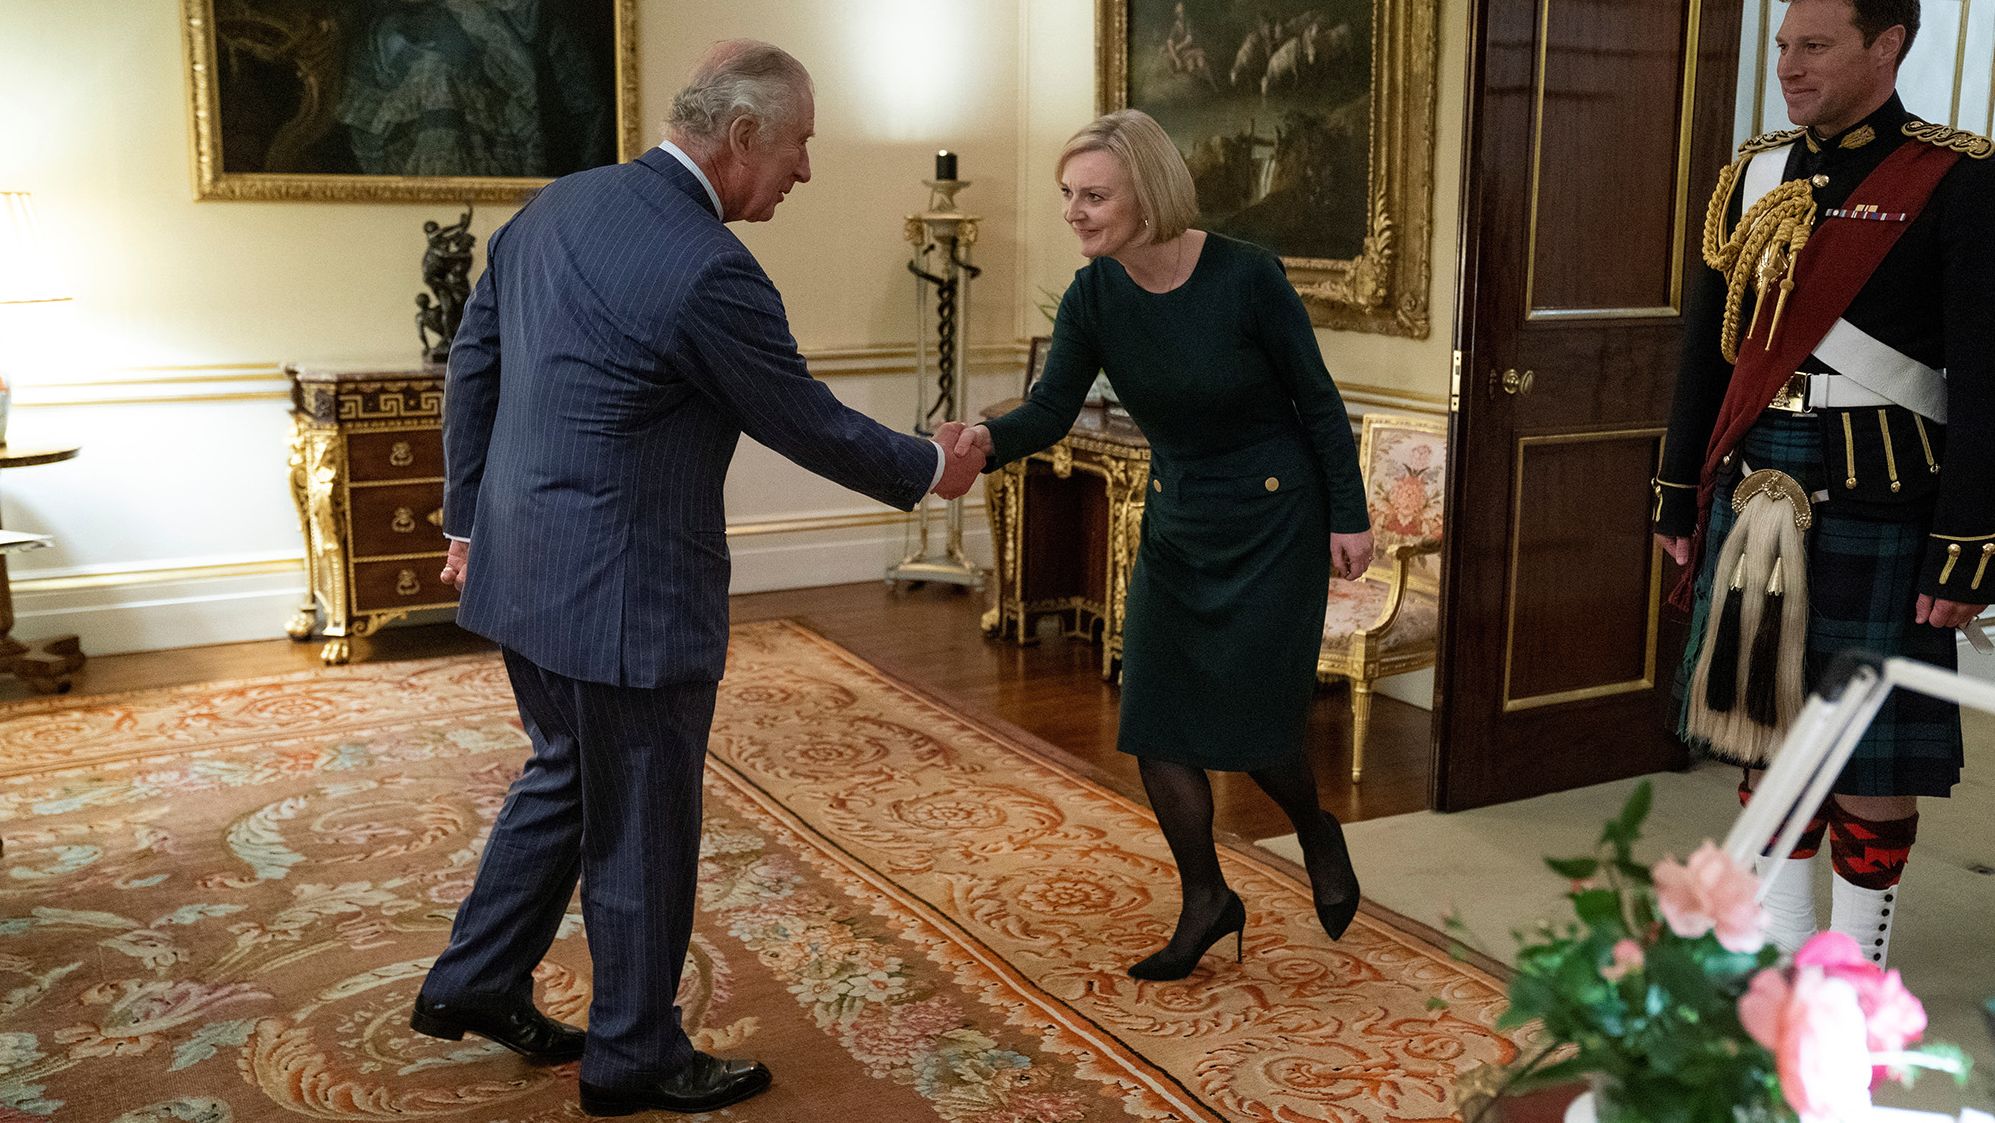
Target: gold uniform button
{"type": "Point", "coordinates": [1820, 180]}
{"type": "Point", "coordinates": [1157, 484]}
{"type": "Point", "coordinates": [1273, 484]}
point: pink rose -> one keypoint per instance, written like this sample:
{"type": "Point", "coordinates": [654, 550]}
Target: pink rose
{"type": "Point", "coordinates": [1815, 1030]}
{"type": "Point", "coordinates": [1892, 1015]}
{"type": "Point", "coordinates": [1830, 951]}
{"type": "Point", "coordinates": [1627, 957]}
{"type": "Point", "coordinates": [1711, 892]}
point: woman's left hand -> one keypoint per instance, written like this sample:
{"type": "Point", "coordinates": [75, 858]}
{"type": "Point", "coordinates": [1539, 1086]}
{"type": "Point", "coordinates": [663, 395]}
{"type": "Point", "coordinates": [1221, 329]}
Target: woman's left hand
{"type": "Point", "coordinates": [1350, 554]}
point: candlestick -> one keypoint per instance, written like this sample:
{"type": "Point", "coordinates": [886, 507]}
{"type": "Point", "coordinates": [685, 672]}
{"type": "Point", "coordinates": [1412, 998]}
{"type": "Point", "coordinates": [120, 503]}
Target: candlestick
{"type": "Point", "coordinates": [945, 164]}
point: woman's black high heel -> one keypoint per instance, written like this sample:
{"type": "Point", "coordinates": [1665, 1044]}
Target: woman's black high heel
{"type": "Point", "coordinates": [1165, 966]}
{"type": "Point", "coordinates": [1335, 918]}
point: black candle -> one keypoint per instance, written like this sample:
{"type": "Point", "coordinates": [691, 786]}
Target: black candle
{"type": "Point", "coordinates": [945, 164]}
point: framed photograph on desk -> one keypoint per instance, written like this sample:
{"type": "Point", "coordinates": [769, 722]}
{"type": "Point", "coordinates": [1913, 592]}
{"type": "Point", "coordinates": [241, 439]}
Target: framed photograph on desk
{"type": "Point", "coordinates": [1035, 361]}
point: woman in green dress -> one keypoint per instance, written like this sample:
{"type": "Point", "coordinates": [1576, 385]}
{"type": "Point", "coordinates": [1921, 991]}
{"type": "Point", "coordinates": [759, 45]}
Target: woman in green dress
{"type": "Point", "coordinates": [1254, 497]}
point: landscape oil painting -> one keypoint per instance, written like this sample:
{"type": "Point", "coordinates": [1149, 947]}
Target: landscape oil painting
{"type": "Point", "coordinates": [1307, 126]}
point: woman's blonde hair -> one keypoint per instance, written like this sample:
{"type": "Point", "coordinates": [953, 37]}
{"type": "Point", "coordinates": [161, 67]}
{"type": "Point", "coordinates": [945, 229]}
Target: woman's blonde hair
{"type": "Point", "coordinates": [1164, 191]}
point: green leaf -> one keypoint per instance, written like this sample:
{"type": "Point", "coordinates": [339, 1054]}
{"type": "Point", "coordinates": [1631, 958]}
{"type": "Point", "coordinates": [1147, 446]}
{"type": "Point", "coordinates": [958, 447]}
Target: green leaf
{"type": "Point", "coordinates": [1437, 1003]}
{"type": "Point", "coordinates": [1577, 869]}
{"type": "Point", "coordinates": [1635, 872]}
{"type": "Point", "coordinates": [1599, 908]}
{"type": "Point", "coordinates": [1637, 809]}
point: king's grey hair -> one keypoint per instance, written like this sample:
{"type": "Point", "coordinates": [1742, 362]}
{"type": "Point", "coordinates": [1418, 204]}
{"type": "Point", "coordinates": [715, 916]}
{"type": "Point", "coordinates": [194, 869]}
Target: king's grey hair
{"type": "Point", "coordinates": [738, 78]}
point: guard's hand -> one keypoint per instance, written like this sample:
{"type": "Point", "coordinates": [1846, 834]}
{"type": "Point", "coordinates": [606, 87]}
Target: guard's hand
{"type": "Point", "coordinates": [962, 461]}
{"type": "Point", "coordinates": [1945, 613]}
{"type": "Point", "coordinates": [454, 564]}
{"type": "Point", "coordinates": [1678, 549]}
{"type": "Point", "coordinates": [1350, 554]}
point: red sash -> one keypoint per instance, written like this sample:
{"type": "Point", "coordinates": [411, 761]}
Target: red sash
{"type": "Point", "coordinates": [1835, 264]}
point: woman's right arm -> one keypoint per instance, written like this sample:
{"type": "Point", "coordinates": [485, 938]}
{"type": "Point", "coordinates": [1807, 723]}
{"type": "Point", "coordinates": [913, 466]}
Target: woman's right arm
{"type": "Point", "coordinates": [1048, 413]}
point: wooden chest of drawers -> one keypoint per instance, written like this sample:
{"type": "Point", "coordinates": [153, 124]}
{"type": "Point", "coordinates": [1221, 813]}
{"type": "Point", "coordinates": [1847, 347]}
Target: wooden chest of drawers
{"type": "Point", "coordinates": [367, 475]}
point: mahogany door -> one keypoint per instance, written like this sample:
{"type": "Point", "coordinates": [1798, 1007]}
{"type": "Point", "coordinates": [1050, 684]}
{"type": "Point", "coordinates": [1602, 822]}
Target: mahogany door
{"type": "Point", "coordinates": [1596, 129]}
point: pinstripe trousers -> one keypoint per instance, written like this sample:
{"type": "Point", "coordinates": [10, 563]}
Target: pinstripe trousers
{"type": "Point", "coordinates": [612, 793]}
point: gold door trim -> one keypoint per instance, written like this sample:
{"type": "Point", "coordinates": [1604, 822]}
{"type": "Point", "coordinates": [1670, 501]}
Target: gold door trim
{"type": "Point", "coordinates": [1512, 704]}
{"type": "Point", "coordinates": [1686, 106]}
{"type": "Point", "coordinates": [1959, 63]}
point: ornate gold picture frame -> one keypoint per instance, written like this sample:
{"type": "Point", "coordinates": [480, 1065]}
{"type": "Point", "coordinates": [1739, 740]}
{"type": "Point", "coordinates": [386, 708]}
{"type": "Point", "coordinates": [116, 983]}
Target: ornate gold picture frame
{"type": "Point", "coordinates": [1275, 104]}
{"type": "Point", "coordinates": [406, 100]}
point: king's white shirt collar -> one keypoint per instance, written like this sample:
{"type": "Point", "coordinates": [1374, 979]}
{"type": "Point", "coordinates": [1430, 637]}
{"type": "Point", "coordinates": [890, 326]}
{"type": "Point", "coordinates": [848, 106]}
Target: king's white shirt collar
{"type": "Point", "coordinates": [679, 154]}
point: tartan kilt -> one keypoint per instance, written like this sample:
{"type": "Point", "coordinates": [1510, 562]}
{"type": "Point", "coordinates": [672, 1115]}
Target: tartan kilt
{"type": "Point", "coordinates": [1862, 590]}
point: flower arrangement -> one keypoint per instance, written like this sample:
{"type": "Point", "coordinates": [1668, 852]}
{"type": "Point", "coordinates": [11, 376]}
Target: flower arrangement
{"type": "Point", "coordinates": [1667, 997]}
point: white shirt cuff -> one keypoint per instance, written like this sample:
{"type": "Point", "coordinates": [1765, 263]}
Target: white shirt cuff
{"type": "Point", "coordinates": [941, 462]}
{"type": "Point", "coordinates": [455, 538]}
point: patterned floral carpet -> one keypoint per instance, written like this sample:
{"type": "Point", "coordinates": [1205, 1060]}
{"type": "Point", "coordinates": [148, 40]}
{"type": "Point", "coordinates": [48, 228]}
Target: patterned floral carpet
{"type": "Point", "coordinates": [217, 904]}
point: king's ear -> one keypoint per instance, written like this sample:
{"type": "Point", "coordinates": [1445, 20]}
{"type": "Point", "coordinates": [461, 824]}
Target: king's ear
{"type": "Point", "coordinates": [743, 131]}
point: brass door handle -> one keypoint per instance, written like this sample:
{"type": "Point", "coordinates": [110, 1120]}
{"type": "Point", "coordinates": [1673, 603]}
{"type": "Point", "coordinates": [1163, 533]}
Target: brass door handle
{"type": "Point", "coordinates": [1515, 383]}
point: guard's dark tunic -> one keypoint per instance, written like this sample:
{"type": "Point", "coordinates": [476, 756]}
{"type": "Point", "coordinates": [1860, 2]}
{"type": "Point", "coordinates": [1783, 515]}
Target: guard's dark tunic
{"type": "Point", "coordinates": [1252, 466]}
{"type": "Point", "coordinates": [1875, 548]}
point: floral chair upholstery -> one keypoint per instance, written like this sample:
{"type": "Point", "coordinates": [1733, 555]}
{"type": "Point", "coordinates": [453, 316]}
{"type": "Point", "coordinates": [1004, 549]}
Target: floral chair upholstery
{"type": "Point", "coordinates": [1385, 622]}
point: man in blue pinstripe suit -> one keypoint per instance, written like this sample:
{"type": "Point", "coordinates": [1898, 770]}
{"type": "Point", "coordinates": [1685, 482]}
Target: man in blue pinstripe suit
{"type": "Point", "coordinates": [619, 343]}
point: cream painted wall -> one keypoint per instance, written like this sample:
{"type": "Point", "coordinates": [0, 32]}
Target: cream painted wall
{"type": "Point", "coordinates": [175, 526]}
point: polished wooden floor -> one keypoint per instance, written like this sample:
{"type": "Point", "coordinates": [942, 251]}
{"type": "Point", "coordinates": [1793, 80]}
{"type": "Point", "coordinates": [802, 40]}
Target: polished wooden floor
{"type": "Point", "coordinates": [928, 637]}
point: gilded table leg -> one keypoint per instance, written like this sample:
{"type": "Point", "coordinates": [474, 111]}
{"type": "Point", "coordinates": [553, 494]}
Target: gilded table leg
{"type": "Point", "coordinates": [1361, 723]}
{"type": "Point", "coordinates": [306, 618]}
{"type": "Point", "coordinates": [324, 463]}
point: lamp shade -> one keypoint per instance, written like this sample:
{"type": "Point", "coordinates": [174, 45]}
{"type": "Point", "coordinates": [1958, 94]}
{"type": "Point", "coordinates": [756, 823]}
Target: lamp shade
{"type": "Point", "coordinates": [27, 270]}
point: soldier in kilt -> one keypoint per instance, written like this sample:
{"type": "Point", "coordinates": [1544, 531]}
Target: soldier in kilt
{"type": "Point", "coordinates": [1828, 478]}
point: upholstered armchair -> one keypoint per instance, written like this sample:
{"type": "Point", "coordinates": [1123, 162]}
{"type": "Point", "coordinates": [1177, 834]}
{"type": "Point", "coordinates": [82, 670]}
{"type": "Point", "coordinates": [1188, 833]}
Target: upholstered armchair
{"type": "Point", "coordinates": [1385, 622]}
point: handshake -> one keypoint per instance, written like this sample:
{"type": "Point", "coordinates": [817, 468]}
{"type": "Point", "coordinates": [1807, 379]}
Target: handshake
{"type": "Point", "coordinates": [965, 449]}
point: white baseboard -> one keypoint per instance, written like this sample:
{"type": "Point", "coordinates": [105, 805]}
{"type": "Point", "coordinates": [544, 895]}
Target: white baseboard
{"type": "Point", "coordinates": [834, 557]}
{"type": "Point", "coordinates": [1415, 688]}
{"type": "Point", "coordinates": [169, 612]}
{"type": "Point", "coordinates": [140, 610]}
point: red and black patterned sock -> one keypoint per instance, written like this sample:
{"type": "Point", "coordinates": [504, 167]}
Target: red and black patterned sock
{"type": "Point", "coordinates": [1870, 853]}
{"type": "Point", "coordinates": [1810, 841]}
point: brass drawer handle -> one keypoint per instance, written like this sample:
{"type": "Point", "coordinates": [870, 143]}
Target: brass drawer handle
{"type": "Point", "coordinates": [404, 521]}
{"type": "Point", "coordinates": [406, 584]}
{"type": "Point", "coordinates": [401, 456]}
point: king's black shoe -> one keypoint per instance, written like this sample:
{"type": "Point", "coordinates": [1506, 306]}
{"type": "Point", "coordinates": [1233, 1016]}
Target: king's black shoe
{"type": "Point", "coordinates": [521, 1028]}
{"type": "Point", "coordinates": [705, 1083]}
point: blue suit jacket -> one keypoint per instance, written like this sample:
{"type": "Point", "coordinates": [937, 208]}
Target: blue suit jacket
{"type": "Point", "coordinates": [619, 343]}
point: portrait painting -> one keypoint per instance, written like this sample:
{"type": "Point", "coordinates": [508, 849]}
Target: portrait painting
{"type": "Point", "coordinates": [406, 99]}
{"type": "Point", "coordinates": [1307, 126]}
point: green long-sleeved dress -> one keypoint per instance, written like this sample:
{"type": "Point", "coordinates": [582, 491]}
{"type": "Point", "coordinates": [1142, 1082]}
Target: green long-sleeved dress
{"type": "Point", "coordinates": [1252, 466]}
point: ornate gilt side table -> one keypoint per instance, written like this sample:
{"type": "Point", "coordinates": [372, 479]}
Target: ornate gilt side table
{"type": "Point", "coordinates": [367, 475]}
{"type": "Point", "coordinates": [45, 665]}
{"type": "Point", "coordinates": [1065, 524]}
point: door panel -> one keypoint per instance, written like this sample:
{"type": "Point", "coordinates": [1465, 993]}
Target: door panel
{"type": "Point", "coordinates": [1571, 637]}
{"type": "Point", "coordinates": [1607, 196]}
{"type": "Point", "coordinates": [1592, 124]}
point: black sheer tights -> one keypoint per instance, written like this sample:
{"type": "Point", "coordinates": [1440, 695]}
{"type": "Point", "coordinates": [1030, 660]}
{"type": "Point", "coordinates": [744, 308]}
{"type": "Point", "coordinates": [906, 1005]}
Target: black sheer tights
{"type": "Point", "coordinates": [1181, 797]}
